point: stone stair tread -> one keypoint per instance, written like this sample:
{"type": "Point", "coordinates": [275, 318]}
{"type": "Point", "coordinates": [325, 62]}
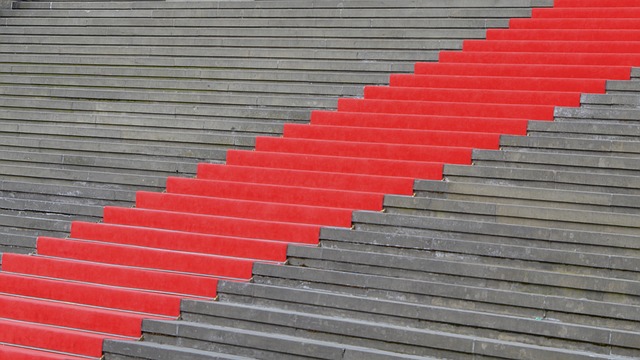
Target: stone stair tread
{"type": "Point", "coordinates": [514, 214]}
{"type": "Point", "coordinates": [575, 261]}
{"type": "Point", "coordinates": [144, 108]}
{"type": "Point", "coordinates": [574, 146]}
{"type": "Point", "coordinates": [616, 114]}
{"type": "Point", "coordinates": [422, 291]}
{"type": "Point", "coordinates": [293, 42]}
{"type": "Point", "coordinates": [227, 77]}
{"type": "Point", "coordinates": [273, 4]}
{"type": "Point", "coordinates": [107, 180]}
{"type": "Point", "coordinates": [280, 32]}
{"type": "Point", "coordinates": [522, 195]}
{"type": "Point", "coordinates": [87, 193]}
{"type": "Point", "coordinates": [383, 311]}
{"type": "Point", "coordinates": [98, 147]}
{"type": "Point", "coordinates": [545, 178]}
{"type": "Point", "coordinates": [183, 86]}
{"type": "Point", "coordinates": [486, 231]}
{"type": "Point", "coordinates": [386, 336]}
{"type": "Point", "coordinates": [468, 272]}
{"type": "Point", "coordinates": [180, 97]}
{"type": "Point", "coordinates": [153, 351]}
{"type": "Point", "coordinates": [96, 163]}
{"type": "Point", "coordinates": [148, 121]}
{"type": "Point", "coordinates": [598, 130]}
{"type": "Point", "coordinates": [571, 162]}
{"type": "Point", "coordinates": [50, 207]}
{"type": "Point", "coordinates": [208, 62]}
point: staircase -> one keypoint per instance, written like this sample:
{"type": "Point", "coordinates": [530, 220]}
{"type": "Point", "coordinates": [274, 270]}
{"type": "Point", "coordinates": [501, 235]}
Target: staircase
{"type": "Point", "coordinates": [102, 99]}
{"type": "Point", "coordinates": [528, 254]}
{"type": "Point", "coordinates": [531, 253]}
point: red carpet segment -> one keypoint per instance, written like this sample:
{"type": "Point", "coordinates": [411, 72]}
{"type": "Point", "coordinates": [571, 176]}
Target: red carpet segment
{"type": "Point", "coordinates": [101, 281]}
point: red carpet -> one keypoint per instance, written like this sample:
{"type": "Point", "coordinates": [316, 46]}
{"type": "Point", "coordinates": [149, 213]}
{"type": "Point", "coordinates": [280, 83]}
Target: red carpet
{"type": "Point", "coordinates": [140, 262]}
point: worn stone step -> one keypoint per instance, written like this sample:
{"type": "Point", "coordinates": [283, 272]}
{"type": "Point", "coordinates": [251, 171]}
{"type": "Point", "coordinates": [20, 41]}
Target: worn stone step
{"type": "Point", "coordinates": [329, 34]}
{"type": "Point", "coordinates": [398, 313]}
{"type": "Point", "coordinates": [125, 164]}
{"type": "Point", "coordinates": [386, 337]}
{"type": "Point", "coordinates": [358, 4]}
{"type": "Point", "coordinates": [464, 271]}
{"type": "Point", "coordinates": [169, 97]}
{"type": "Point", "coordinates": [245, 342]}
{"type": "Point", "coordinates": [141, 108]}
{"type": "Point", "coordinates": [50, 207]}
{"type": "Point", "coordinates": [93, 146]}
{"type": "Point", "coordinates": [528, 196]}
{"type": "Point", "coordinates": [16, 240]}
{"type": "Point", "coordinates": [610, 101]}
{"type": "Point", "coordinates": [515, 302]}
{"type": "Point", "coordinates": [363, 65]}
{"type": "Point", "coordinates": [233, 78]}
{"type": "Point", "coordinates": [228, 43]}
{"type": "Point", "coordinates": [534, 159]}
{"type": "Point", "coordinates": [527, 255]}
{"type": "Point", "coordinates": [584, 129]}
{"type": "Point", "coordinates": [520, 235]}
{"type": "Point", "coordinates": [83, 192]}
{"type": "Point", "coordinates": [224, 53]}
{"type": "Point", "coordinates": [545, 178]}
{"type": "Point", "coordinates": [197, 90]}
{"type": "Point", "coordinates": [612, 114]}
{"type": "Point", "coordinates": [103, 179]}
{"type": "Point", "coordinates": [129, 350]}
{"type": "Point", "coordinates": [124, 141]}
{"type": "Point", "coordinates": [561, 143]}
{"type": "Point", "coordinates": [539, 216]}
{"type": "Point", "coordinates": [624, 87]}
{"type": "Point", "coordinates": [25, 117]}
{"type": "Point", "coordinates": [18, 18]}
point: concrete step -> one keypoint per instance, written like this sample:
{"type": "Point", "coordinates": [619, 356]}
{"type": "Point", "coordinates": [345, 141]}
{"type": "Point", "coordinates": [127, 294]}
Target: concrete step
{"type": "Point", "coordinates": [515, 214]}
{"type": "Point", "coordinates": [326, 16]}
{"type": "Point", "coordinates": [545, 160]}
{"type": "Point", "coordinates": [623, 87]}
{"type": "Point", "coordinates": [90, 164]}
{"type": "Point", "coordinates": [491, 232]}
{"type": "Point", "coordinates": [169, 97]}
{"type": "Point", "coordinates": [378, 335]}
{"type": "Point", "coordinates": [528, 196]}
{"type": "Point", "coordinates": [545, 178]}
{"type": "Point", "coordinates": [379, 270]}
{"type": "Point", "coordinates": [94, 146]}
{"type": "Point", "coordinates": [191, 87]}
{"type": "Point", "coordinates": [569, 144]}
{"type": "Point", "coordinates": [614, 115]}
{"type": "Point", "coordinates": [328, 34]}
{"type": "Point", "coordinates": [305, 5]}
{"type": "Point", "coordinates": [61, 176]}
{"type": "Point", "coordinates": [411, 312]}
{"type": "Point", "coordinates": [498, 251]}
{"type": "Point", "coordinates": [149, 108]}
{"type": "Point", "coordinates": [227, 43]}
{"type": "Point", "coordinates": [151, 351]}
{"type": "Point", "coordinates": [210, 62]}
{"type": "Point", "coordinates": [45, 118]}
{"type": "Point", "coordinates": [426, 291]}
{"type": "Point", "coordinates": [243, 342]}
{"type": "Point", "coordinates": [224, 53]}
{"type": "Point", "coordinates": [583, 129]}
{"type": "Point", "coordinates": [233, 78]}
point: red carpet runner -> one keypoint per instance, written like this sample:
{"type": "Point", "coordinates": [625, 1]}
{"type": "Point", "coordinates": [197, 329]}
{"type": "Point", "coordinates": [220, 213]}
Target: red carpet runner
{"type": "Point", "coordinates": [101, 281]}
